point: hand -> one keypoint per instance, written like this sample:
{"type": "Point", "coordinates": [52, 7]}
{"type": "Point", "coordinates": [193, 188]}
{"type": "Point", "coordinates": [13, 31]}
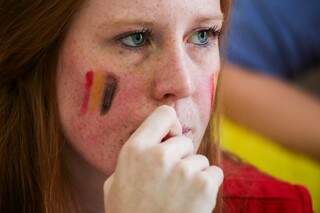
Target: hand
{"type": "Point", "coordinates": [167, 177]}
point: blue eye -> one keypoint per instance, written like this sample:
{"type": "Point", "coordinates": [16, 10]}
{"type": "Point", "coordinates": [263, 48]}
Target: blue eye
{"type": "Point", "coordinates": [203, 37]}
{"type": "Point", "coordinates": [137, 39]}
{"type": "Point", "coordinates": [200, 37]}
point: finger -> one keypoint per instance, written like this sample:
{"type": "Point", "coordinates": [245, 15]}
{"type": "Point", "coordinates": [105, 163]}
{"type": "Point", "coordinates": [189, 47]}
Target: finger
{"type": "Point", "coordinates": [175, 148]}
{"type": "Point", "coordinates": [215, 174]}
{"type": "Point", "coordinates": [208, 182]}
{"type": "Point", "coordinates": [106, 188]}
{"type": "Point", "coordinates": [161, 122]}
{"type": "Point", "coordinates": [191, 165]}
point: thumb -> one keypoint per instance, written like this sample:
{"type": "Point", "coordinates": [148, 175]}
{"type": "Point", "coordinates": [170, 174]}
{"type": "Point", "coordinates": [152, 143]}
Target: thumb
{"type": "Point", "coordinates": [106, 188]}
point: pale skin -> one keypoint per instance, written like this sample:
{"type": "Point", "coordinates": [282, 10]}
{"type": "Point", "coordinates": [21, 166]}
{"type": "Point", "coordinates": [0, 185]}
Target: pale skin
{"type": "Point", "coordinates": [166, 57]}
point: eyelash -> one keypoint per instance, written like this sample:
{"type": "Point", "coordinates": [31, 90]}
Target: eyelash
{"type": "Point", "coordinates": [147, 33]}
{"type": "Point", "coordinates": [214, 33]}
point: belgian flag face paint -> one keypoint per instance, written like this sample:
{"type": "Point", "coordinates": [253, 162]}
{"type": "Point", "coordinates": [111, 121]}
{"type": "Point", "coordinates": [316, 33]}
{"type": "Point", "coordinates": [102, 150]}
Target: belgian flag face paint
{"type": "Point", "coordinates": [100, 90]}
{"type": "Point", "coordinates": [111, 86]}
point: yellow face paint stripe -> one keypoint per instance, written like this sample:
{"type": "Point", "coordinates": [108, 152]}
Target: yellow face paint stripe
{"type": "Point", "coordinates": [96, 92]}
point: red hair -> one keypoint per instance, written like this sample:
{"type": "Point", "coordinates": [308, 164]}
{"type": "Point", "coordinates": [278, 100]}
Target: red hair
{"type": "Point", "coordinates": [32, 174]}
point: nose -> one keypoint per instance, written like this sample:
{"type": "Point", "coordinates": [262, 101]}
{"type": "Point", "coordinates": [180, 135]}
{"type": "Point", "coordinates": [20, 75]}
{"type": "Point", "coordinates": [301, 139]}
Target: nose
{"type": "Point", "coordinates": [173, 78]}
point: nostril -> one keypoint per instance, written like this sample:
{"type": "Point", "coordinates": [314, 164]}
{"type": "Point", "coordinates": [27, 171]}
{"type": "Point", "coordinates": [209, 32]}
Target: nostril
{"type": "Point", "coordinates": [167, 95]}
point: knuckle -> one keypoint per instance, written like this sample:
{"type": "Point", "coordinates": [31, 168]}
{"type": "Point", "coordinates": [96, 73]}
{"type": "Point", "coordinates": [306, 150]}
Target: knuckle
{"type": "Point", "coordinates": [203, 159]}
{"type": "Point", "coordinates": [216, 174]}
{"type": "Point", "coordinates": [187, 142]}
{"type": "Point", "coordinates": [204, 183]}
{"type": "Point", "coordinates": [182, 170]}
{"type": "Point", "coordinates": [161, 156]}
{"type": "Point", "coordinates": [219, 172]}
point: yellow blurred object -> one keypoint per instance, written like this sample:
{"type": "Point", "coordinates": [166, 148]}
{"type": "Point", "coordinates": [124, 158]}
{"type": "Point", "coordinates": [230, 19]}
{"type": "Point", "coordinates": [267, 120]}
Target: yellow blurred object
{"type": "Point", "coordinates": [272, 158]}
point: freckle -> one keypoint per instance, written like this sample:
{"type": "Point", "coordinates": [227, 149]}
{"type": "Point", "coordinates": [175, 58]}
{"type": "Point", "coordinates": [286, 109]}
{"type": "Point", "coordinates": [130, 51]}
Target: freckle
{"type": "Point", "coordinates": [109, 93]}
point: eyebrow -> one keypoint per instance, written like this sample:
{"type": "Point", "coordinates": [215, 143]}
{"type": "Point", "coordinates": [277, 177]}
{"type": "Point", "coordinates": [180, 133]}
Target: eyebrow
{"type": "Point", "coordinates": [131, 22]}
{"type": "Point", "coordinates": [218, 17]}
{"type": "Point", "coordinates": [148, 23]}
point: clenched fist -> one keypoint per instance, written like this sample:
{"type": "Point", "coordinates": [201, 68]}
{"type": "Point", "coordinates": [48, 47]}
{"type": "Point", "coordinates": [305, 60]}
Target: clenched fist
{"type": "Point", "coordinates": [156, 175]}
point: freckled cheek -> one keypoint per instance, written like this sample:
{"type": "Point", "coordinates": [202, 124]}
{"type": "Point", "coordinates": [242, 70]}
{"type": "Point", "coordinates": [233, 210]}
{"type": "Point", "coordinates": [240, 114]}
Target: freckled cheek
{"type": "Point", "coordinates": [100, 137]}
{"type": "Point", "coordinates": [131, 105]}
{"type": "Point", "coordinates": [205, 95]}
{"type": "Point", "coordinates": [209, 82]}
{"type": "Point", "coordinates": [124, 111]}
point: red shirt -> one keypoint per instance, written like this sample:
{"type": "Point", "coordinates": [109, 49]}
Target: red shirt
{"type": "Point", "coordinates": [245, 189]}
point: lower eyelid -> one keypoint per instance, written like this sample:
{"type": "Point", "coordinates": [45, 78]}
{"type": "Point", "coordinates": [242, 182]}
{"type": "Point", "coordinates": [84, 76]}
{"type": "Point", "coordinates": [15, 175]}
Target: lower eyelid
{"type": "Point", "coordinates": [212, 42]}
{"type": "Point", "coordinates": [129, 48]}
{"type": "Point", "coordinates": [143, 45]}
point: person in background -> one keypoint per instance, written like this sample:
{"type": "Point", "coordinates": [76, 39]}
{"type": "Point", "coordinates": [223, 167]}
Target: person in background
{"type": "Point", "coordinates": [271, 81]}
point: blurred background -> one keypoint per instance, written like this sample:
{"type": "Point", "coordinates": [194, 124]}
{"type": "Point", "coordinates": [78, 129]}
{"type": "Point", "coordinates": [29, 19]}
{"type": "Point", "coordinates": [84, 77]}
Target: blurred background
{"type": "Point", "coordinates": [271, 89]}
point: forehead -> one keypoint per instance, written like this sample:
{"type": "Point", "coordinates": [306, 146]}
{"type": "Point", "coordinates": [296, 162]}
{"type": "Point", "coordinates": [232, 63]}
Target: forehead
{"type": "Point", "coordinates": [152, 11]}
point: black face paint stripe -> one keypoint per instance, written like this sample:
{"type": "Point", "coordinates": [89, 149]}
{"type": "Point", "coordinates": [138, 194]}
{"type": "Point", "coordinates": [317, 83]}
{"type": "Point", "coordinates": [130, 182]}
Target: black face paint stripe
{"type": "Point", "coordinates": [109, 93]}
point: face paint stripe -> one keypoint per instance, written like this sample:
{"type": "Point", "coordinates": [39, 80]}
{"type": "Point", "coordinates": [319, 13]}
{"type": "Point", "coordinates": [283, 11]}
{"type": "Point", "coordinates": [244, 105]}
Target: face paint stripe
{"type": "Point", "coordinates": [109, 92]}
{"type": "Point", "coordinates": [89, 81]}
{"type": "Point", "coordinates": [97, 91]}
{"type": "Point", "coordinates": [213, 90]}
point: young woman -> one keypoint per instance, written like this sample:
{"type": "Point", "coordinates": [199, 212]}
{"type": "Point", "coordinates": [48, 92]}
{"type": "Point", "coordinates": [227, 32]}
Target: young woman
{"type": "Point", "coordinates": [106, 107]}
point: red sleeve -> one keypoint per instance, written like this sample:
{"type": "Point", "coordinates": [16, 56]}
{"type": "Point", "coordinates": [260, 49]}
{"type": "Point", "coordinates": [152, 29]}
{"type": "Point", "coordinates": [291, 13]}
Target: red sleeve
{"type": "Point", "coordinates": [246, 189]}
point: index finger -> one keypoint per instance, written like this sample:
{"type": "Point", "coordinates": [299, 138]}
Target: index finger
{"type": "Point", "coordinates": [161, 122]}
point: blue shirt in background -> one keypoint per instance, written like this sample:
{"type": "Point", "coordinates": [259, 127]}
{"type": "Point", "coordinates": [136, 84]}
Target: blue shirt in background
{"type": "Point", "coordinates": [277, 37]}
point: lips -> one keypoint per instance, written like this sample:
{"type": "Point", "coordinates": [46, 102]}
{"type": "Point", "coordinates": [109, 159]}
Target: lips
{"type": "Point", "coordinates": [185, 130]}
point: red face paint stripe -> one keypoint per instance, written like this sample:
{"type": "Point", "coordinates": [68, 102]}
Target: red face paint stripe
{"type": "Point", "coordinates": [213, 91]}
{"type": "Point", "coordinates": [88, 85]}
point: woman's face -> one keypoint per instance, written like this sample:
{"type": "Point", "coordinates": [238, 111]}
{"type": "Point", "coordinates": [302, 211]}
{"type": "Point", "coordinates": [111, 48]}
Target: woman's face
{"type": "Point", "coordinates": [121, 59]}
